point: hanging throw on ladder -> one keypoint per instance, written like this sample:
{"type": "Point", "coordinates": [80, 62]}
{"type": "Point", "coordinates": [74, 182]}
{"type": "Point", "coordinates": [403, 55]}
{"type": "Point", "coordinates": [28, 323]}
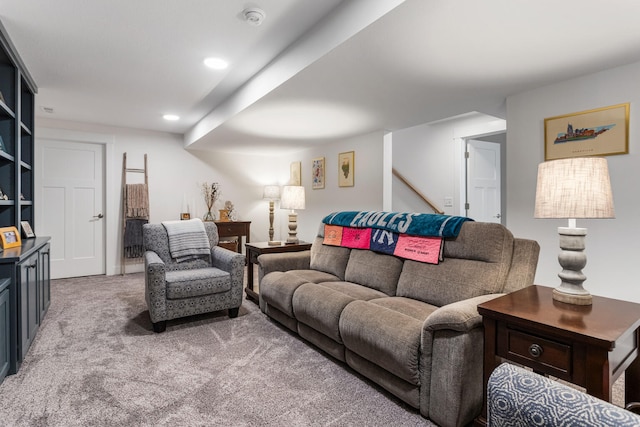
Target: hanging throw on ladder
{"type": "Point", "coordinates": [135, 212]}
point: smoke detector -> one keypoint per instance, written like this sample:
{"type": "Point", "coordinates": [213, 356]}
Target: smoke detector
{"type": "Point", "coordinates": [254, 16]}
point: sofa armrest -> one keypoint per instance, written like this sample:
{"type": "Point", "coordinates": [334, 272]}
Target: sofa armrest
{"type": "Point", "coordinates": [459, 316]}
{"type": "Point", "coordinates": [284, 262]}
{"type": "Point", "coordinates": [451, 350]}
{"type": "Point", "coordinates": [516, 396]}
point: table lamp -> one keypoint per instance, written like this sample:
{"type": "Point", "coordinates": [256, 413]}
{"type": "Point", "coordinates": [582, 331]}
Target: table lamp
{"type": "Point", "coordinates": [573, 188]}
{"type": "Point", "coordinates": [292, 198]}
{"type": "Point", "coordinates": [271, 193]}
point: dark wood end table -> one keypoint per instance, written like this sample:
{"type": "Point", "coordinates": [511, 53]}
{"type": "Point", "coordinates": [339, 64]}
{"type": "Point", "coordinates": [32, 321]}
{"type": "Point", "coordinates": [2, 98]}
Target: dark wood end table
{"type": "Point", "coordinates": [238, 229]}
{"type": "Point", "coordinates": [254, 250]}
{"type": "Point", "coordinates": [590, 346]}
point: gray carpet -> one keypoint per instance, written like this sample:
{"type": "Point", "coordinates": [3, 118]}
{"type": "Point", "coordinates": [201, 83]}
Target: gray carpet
{"type": "Point", "coordinates": [96, 362]}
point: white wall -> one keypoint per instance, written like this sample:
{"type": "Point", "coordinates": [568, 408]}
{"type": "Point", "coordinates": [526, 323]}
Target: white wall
{"type": "Point", "coordinates": [612, 245]}
{"type": "Point", "coordinates": [429, 156]}
{"type": "Point", "coordinates": [175, 175]}
{"type": "Point", "coordinates": [366, 194]}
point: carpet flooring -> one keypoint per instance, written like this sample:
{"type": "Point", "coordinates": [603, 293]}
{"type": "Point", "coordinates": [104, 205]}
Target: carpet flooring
{"type": "Point", "coordinates": [96, 362]}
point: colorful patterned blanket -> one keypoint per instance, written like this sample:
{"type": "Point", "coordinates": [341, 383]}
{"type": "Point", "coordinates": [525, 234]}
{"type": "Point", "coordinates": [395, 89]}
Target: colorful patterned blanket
{"type": "Point", "coordinates": [419, 237]}
{"type": "Point", "coordinates": [415, 224]}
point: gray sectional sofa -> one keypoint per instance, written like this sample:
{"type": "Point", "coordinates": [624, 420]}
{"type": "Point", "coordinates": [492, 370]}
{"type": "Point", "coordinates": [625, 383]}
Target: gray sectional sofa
{"type": "Point", "coordinates": [413, 328]}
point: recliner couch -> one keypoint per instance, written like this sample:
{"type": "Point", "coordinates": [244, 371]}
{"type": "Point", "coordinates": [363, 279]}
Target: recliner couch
{"type": "Point", "coordinates": [413, 328]}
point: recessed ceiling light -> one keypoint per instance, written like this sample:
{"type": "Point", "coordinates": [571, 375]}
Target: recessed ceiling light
{"type": "Point", "coordinates": [216, 63]}
{"type": "Point", "coordinates": [171, 117]}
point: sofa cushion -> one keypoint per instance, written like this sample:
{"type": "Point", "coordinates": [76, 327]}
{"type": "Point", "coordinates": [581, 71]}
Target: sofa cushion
{"type": "Point", "coordinates": [195, 283]}
{"type": "Point", "coordinates": [476, 263]}
{"type": "Point", "coordinates": [315, 276]}
{"type": "Point", "coordinates": [320, 305]}
{"type": "Point", "coordinates": [277, 289]}
{"type": "Point", "coordinates": [409, 307]}
{"type": "Point", "coordinates": [386, 337]}
{"type": "Point", "coordinates": [374, 270]}
{"type": "Point", "coordinates": [330, 259]}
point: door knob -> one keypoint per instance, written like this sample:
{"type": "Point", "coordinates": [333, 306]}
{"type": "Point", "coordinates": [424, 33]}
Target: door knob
{"type": "Point", "coordinates": [99, 216]}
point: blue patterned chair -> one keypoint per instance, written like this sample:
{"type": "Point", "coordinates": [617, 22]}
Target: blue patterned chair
{"type": "Point", "coordinates": [517, 397]}
{"type": "Point", "coordinates": [179, 289]}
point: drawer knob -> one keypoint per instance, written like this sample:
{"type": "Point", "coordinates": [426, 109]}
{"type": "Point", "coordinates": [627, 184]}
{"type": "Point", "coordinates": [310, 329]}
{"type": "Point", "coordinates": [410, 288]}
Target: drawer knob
{"type": "Point", "coordinates": [535, 350]}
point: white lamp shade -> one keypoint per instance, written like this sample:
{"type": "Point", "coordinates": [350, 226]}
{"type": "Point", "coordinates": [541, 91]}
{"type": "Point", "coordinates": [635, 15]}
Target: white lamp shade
{"type": "Point", "coordinates": [292, 197]}
{"type": "Point", "coordinates": [271, 192]}
{"type": "Point", "coordinates": [574, 188]}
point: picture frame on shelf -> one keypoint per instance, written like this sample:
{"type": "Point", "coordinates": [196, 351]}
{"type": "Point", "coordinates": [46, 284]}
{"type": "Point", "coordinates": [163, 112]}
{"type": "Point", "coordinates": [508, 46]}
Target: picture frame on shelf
{"type": "Point", "coordinates": [317, 173]}
{"type": "Point", "coordinates": [295, 171]}
{"type": "Point", "coordinates": [598, 132]}
{"type": "Point", "coordinates": [9, 237]}
{"type": "Point", "coordinates": [346, 169]}
{"type": "Point", "coordinates": [27, 231]}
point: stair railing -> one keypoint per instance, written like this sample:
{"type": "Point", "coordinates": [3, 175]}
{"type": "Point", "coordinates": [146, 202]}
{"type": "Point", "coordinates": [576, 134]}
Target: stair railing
{"type": "Point", "coordinates": [432, 205]}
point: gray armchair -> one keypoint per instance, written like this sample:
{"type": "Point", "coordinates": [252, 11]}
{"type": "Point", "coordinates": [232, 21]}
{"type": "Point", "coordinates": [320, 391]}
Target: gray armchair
{"type": "Point", "coordinates": [179, 289]}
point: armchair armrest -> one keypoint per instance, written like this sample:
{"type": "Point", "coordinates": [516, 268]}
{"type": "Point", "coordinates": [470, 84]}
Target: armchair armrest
{"type": "Point", "coordinates": [459, 316]}
{"type": "Point", "coordinates": [516, 396]}
{"type": "Point", "coordinates": [284, 262]}
{"type": "Point", "coordinates": [155, 290]}
{"type": "Point", "coordinates": [231, 262]}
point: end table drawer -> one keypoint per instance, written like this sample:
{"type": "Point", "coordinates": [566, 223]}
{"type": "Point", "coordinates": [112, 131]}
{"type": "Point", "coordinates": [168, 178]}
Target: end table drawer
{"type": "Point", "coordinates": [549, 356]}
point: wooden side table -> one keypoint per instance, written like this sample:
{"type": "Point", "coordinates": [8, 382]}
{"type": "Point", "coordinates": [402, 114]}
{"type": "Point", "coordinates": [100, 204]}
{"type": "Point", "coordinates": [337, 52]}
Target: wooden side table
{"type": "Point", "coordinates": [237, 229]}
{"type": "Point", "coordinates": [254, 250]}
{"type": "Point", "coordinates": [590, 346]}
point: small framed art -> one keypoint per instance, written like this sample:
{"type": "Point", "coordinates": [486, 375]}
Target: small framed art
{"type": "Point", "coordinates": [27, 231]}
{"type": "Point", "coordinates": [295, 173]}
{"type": "Point", "coordinates": [346, 169]}
{"type": "Point", "coordinates": [317, 173]}
{"type": "Point", "coordinates": [9, 237]}
{"type": "Point", "coordinates": [599, 132]}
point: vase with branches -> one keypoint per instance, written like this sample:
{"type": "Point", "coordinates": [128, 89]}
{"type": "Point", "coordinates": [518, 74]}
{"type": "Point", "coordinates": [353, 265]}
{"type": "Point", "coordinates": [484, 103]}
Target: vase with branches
{"type": "Point", "coordinates": [211, 193]}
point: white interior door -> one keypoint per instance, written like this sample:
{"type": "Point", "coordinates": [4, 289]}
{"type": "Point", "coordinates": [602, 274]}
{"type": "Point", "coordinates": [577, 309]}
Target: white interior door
{"type": "Point", "coordinates": [483, 181]}
{"type": "Point", "coordinates": [72, 206]}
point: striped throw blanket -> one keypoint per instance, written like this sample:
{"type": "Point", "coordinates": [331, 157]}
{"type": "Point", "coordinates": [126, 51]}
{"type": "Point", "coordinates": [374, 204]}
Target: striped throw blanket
{"type": "Point", "coordinates": [187, 239]}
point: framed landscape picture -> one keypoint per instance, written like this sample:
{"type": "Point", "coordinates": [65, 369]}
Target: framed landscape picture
{"type": "Point", "coordinates": [346, 169]}
{"type": "Point", "coordinates": [317, 173]}
{"type": "Point", "coordinates": [599, 132]}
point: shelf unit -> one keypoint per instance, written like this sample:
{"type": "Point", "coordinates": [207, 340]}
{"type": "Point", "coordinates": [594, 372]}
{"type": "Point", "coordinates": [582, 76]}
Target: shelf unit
{"type": "Point", "coordinates": [24, 270]}
{"type": "Point", "coordinates": [16, 130]}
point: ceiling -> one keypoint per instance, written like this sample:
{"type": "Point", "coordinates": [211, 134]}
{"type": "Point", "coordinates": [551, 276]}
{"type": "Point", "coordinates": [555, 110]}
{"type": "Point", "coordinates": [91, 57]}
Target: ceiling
{"type": "Point", "coordinates": [314, 70]}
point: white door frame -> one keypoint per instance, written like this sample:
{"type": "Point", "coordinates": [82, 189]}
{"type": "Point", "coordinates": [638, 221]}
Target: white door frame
{"type": "Point", "coordinates": [110, 204]}
{"type": "Point", "coordinates": [462, 146]}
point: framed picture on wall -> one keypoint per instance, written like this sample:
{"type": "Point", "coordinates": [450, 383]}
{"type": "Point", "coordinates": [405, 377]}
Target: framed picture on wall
{"type": "Point", "coordinates": [346, 169]}
{"type": "Point", "coordinates": [317, 173]}
{"type": "Point", "coordinates": [599, 132]}
{"type": "Point", "coordinates": [295, 173]}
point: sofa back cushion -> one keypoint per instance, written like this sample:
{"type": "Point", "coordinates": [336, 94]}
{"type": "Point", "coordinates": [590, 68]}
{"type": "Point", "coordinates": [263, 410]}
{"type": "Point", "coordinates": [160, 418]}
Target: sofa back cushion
{"type": "Point", "coordinates": [330, 259]}
{"type": "Point", "coordinates": [374, 270]}
{"type": "Point", "coordinates": [475, 263]}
